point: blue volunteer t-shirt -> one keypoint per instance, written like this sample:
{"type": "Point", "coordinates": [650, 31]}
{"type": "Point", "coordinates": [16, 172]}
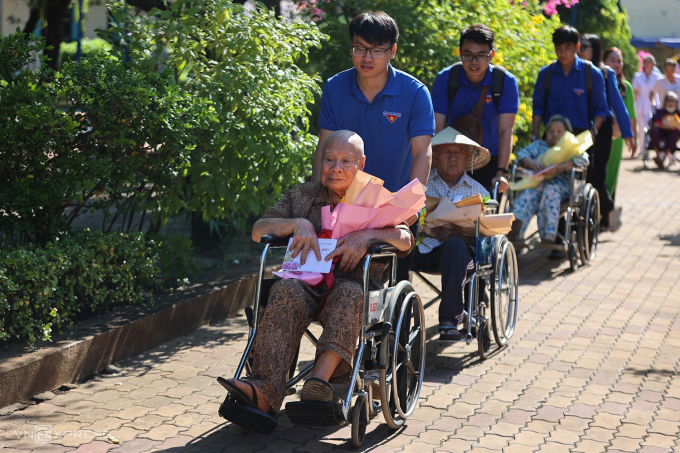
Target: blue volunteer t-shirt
{"type": "Point", "coordinates": [401, 111]}
{"type": "Point", "coordinates": [568, 96]}
{"type": "Point", "coordinates": [467, 97]}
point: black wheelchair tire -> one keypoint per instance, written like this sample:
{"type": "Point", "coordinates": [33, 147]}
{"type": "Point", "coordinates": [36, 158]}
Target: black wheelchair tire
{"type": "Point", "coordinates": [505, 291]}
{"type": "Point", "coordinates": [359, 421]}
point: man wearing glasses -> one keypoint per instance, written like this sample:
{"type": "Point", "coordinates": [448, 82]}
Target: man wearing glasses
{"type": "Point", "coordinates": [389, 109]}
{"type": "Point", "coordinates": [458, 98]}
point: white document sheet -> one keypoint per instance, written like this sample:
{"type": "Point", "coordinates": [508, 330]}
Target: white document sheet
{"type": "Point", "coordinates": [326, 246]}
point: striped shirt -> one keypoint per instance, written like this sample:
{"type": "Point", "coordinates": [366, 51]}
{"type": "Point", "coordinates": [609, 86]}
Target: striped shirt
{"type": "Point", "coordinates": [437, 187]}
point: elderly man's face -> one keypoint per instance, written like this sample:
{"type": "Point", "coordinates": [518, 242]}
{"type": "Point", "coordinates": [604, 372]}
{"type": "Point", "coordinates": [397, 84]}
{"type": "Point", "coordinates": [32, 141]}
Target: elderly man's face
{"type": "Point", "coordinates": [339, 165]}
{"type": "Point", "coordinates": [450, 159]}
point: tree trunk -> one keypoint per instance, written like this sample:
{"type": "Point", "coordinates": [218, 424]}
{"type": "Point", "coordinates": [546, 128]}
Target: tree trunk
{"type": "Point", "coordinates": [32, 21]}
{"type": "Point", "coordinates": [56, 14]}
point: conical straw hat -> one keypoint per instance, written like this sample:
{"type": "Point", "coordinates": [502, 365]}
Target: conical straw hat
{"type": "Point", "coordinates": [479, 157]}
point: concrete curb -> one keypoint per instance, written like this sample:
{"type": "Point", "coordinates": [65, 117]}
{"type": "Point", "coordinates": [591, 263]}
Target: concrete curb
{"type": "Point", "coordinates": [106, 339]}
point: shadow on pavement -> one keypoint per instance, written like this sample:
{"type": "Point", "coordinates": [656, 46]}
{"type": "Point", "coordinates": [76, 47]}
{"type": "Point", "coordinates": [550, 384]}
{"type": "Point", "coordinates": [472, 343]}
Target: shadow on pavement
{"type": "Point", "coordinates": [673, 240]}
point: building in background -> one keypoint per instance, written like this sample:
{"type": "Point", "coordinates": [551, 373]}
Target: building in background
{"type": "Point", "coordinates": [655, 26]}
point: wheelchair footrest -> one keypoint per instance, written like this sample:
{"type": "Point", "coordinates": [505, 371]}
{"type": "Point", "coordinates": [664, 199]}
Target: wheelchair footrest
{"type": "Point", "coordinates": [315, 413]}
{"type": "Point", "coordinates": [247, 417]}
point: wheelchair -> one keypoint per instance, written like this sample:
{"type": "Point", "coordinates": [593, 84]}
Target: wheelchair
{"type": "Point", "coordinates": [492, 283]}
{"type": "Point", "coordinates": [579, 226]}
{"type": "Point", "coordinates": [391, 342]}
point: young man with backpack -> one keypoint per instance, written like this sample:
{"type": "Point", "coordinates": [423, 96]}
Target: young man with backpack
{"type": "Point", "coordinates": [571, 87]}
{"type": "Point", "coordinates": [481, 101]}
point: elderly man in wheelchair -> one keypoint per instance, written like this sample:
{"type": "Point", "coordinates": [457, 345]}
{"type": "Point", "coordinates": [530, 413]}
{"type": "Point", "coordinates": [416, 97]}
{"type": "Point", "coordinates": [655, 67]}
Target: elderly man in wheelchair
{"type": "Point", "coordinates": [293, 304]}
{"type": "Point", "coordinates": [445, 250]}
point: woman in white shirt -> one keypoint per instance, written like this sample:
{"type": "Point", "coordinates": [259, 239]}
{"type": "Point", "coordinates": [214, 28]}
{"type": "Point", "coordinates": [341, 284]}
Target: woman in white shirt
{"type": "Point", "coordinates": [643, 85]}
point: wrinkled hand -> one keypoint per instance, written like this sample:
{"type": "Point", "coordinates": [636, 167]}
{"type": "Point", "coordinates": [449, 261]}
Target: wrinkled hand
{"type": "Point", "coordinates": [445, 233]}
{"type": "Point", "coordinates": [534, 165]}
{"type": "Point", "coordinates": [352, 248]}
{"type": "Point", "coordinates": [553, 171]}
{"type": "Point", "coordinates": [411, 220]}
{"type": "Point", "coordinates": [502, 183]}
{"type": "Point", "coordinates": [304, 240]}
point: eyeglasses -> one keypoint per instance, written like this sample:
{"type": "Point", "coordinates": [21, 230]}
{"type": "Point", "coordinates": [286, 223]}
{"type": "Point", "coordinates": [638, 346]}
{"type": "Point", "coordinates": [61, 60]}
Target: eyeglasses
{"type": "Point", "coordinates": [376, 52]}
{"type": "Point", "coordinates": [468, 57]}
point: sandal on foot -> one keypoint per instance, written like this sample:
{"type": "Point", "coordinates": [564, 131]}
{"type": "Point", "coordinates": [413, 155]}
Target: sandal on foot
{"type": "Point", "coordinates": [316, 389]}
{"type": "Point", "coordinates": [450, 333]}
{"type": "Point", "coordinates": [238, 394]}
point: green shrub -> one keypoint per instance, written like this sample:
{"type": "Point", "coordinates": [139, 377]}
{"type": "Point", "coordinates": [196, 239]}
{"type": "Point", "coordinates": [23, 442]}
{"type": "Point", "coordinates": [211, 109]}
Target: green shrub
{"type": "Point", "coordinates": [43, 290]}
{"type": "Point", "coordinates": [97, 135]}
{"type": "Point", "coordinates": [68, 49]}
{"type": "Point", "coordinates": [429, 33]}
{"type": "Point", "coordinates": [246, 64]}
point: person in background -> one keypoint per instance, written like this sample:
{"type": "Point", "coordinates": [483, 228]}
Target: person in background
{"type": "Point", "coordinates": [591, 49]}
{"type": "Point", "coordinates": [663, 129]}
{"type": "Point", "coordinates": [670, 80]}
{"type": "Point", "coordinates": [645, 98]}
{"type": "Point", "coordinates": [613, 57]}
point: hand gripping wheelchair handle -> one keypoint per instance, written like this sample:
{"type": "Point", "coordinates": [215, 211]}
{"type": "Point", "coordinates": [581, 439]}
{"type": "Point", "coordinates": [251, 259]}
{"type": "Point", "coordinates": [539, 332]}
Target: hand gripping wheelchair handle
{"type": "Point", "coordinates": [275, 241]}
{"type": "Point", "coordinates": [381, 249]}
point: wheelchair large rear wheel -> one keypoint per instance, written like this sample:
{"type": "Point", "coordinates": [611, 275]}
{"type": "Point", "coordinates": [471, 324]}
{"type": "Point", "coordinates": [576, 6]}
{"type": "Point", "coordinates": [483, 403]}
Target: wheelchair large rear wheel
{"type": "Point", "coordinates": [589, 225]}
{"type": "Point", "coordinates": [402, 356]}
{"type": "Point", "coordinates": [504, 290]}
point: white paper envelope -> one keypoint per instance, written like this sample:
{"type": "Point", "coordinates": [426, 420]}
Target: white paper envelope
{"type": "Point", "coordinates": [326, 246]}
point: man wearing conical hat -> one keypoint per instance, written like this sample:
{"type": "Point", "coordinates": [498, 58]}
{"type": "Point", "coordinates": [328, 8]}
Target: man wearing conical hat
{"type": "Point", "coordinates": [445, 251]}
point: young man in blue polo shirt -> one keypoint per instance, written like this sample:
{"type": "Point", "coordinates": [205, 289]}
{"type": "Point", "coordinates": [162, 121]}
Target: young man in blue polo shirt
{"type": "Point", "coordinates": [576, 90]}
{"type": "Point", "coordinates": [453, 101]}
{"type": "Point", "coordinates": [568, 94]}
{"type": "Point", "coordinates": [389, 109]}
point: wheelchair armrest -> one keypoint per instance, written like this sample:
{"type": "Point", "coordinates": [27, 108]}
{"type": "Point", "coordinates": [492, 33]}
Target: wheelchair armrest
{"type": "Point", "coordinates": [275, 241]}
{"type": "Point", "coordinates": [381, 249]}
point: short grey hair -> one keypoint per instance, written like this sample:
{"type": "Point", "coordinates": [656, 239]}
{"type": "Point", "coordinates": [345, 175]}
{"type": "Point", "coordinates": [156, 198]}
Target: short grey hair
{"type": "Point", "coordinates": [562, 119]}
{"type": "Point", "coordinates": [344, 136]}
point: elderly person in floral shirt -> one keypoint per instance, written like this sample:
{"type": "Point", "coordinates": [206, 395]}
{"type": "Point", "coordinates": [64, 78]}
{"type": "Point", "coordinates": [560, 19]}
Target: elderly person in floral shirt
{"type": "Point", "coordinates": [544, 201]}
{"type": "Point", "coordinates": [293, 304]}
{"type": "Point", "coordinates": [446, 251]}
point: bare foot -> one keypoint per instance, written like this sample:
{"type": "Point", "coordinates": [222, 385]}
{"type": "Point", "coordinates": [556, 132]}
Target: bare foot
{"type": "Point", "coordinates": [262, 403]}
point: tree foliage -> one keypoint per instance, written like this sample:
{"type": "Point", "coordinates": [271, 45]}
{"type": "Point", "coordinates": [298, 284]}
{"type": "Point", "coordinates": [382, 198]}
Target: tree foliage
{"type": "Point", "coordinates": [244, 63]}
{"type": "Point", "coordinates": [608, 20]}
{"type": "Point", "coordinates": [93, 136]}
{"type": "Point", "coordinates": [429, 34]}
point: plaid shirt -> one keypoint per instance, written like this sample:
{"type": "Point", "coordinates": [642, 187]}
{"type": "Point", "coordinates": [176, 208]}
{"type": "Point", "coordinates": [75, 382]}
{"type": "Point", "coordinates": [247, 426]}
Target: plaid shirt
{"type": "Point", "coordinates": [437, 187]}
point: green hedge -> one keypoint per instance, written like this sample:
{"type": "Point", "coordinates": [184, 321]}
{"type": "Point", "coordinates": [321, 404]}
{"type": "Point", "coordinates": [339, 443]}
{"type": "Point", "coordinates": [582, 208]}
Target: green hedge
{"type": "Point", "coordinates": [46, 290]}
{"type": "Point", "coordinates": [68, 49]}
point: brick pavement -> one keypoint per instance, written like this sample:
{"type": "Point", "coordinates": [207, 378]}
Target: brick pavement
{"type": "Point", "coordinates": [593, 367]}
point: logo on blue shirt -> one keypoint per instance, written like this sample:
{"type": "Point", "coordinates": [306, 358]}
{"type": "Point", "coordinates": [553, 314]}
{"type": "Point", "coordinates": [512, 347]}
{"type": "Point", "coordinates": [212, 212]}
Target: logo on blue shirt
{"type": "Point", "coordinates": [392, 116]}
{"type": "Point", "coordinates": [579, 91]}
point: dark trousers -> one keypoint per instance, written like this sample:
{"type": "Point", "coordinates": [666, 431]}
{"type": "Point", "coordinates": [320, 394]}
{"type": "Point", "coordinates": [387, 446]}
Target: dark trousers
{"type": "Point", "coordinates": [670, 138]}
{"type": "Point", "coordinates": [485, 174]}
{"type": "Point", "coordinates": [404, 264]}
{"type": "Point", "coordinates": [597, 170]}
{"type": "Point", "coordinates": [452, 259]}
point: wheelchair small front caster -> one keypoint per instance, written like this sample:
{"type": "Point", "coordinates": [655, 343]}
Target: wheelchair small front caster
{"type": "Point", "coordinates": [484, 339]}
{"type": "Point", "coordinates": [359, 421]}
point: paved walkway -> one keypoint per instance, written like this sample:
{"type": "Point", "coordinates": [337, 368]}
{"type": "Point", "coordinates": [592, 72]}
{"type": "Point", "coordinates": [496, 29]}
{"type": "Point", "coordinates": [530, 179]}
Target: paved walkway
{"type": "Point", "coordinates": [593, 367]}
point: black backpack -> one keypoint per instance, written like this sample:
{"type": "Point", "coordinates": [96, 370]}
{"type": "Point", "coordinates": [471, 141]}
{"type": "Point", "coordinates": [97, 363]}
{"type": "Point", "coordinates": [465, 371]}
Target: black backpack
{"type": "Point", "coordinates": [498, 78]}
{"type": "Point", "coordinates": [589, 84]}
